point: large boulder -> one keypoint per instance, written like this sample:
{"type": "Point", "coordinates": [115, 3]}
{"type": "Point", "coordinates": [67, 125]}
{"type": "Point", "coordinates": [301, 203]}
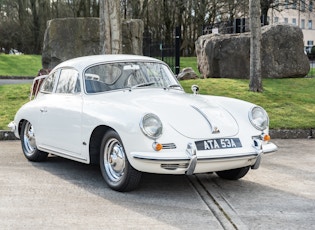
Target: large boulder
{"type": "Point", "coordinates": [132, 36]}
{"type": "Point", "coordinates": [67, 38]}
{"type": "Point", "coordinates": [228, 55]}
{"type": "Point", "coordinates": [187, 74]}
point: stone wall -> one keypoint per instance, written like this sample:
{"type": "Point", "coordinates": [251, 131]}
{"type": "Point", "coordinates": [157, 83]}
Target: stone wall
{"type": "Point", "coordinates": [228, 56]}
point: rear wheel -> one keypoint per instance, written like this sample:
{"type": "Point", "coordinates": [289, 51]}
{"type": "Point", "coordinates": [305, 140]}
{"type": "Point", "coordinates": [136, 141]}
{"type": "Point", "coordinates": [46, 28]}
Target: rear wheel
{"type": "Point", "coordinates": [28, 142]}
{"type": "Point", "coordinates": [233, 174]}
{"type": "Point", "coordinates": [115, 167]}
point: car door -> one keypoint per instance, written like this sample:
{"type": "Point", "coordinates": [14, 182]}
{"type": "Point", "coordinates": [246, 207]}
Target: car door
{"type": "Point", "coordinates": [61, 116]}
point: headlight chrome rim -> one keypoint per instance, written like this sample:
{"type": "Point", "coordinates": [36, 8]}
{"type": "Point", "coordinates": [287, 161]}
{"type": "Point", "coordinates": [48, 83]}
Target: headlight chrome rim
{"type": "Point", "coordinates": [151, 126]}
{"type": "Point", "coordinates": [259, 118]}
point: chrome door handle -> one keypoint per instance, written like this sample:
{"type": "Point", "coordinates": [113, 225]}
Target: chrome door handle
{"type": "Point", "coordinates": [43, 110]}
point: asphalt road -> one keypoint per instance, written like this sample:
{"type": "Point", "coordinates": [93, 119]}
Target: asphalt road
{"type": "Point", "coordinates": [62, 194]}
{"type": "Point", "coordinates": [14, 81]}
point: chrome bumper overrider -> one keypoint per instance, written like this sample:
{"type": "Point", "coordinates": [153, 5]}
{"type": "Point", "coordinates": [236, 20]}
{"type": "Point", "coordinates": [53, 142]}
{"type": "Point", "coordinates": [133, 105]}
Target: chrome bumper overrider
{"type": "Point", "coordinates": [259, 150]}
{"type": "Point", "coordinates": [12, 126]}
{"type": "Point", "coordinates": [192, 154]}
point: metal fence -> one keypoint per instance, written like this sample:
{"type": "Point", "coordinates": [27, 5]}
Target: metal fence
{"type": "Point", "coordinates": [312, 68]}
{"type": "Point", "coordinates": [168, 52]}
{"type": "Point", "coordinates": [238, 25]}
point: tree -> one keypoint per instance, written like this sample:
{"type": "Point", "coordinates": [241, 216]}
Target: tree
{"type": "Point", "coordinates": [110, 27]}
{"type": "Point", "coordinates": [255, 83]}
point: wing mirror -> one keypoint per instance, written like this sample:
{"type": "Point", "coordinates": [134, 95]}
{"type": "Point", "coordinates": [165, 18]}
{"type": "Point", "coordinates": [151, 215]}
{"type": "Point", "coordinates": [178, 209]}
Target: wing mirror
{"type": "Point", "coordinates": [195, 89]}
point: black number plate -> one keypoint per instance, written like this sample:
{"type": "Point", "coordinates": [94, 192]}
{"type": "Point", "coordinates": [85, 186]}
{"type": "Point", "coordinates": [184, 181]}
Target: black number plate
{"type": "Point", "coordinates": [220, 143]}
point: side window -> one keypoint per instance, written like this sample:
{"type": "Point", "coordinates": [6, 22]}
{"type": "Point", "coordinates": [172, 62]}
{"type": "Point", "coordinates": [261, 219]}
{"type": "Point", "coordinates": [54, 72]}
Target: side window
{"type": "Point", "coordinates": [68, 82]}
{"type": "Point", "coordinates": [49, 83]}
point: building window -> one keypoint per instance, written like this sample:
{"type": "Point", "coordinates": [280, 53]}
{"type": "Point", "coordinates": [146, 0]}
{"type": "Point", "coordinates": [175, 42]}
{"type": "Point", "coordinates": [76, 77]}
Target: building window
{"type": "Point", "coordinates": [309, 46]}
{"type": "Point", "coordinates": [303, 24]}
{"type": "Point", "coordinates": [286, 20]}
{"type": "Point", "coordinates": [294, 21]}
{"type": "Point", "coordinates": [310, 24]}
{"type": "Point", "coordinates": [286, 4]}
{"type": "Point", "coordinates": [302, 6]}
{"type": "Point", "coordinates": [276, 19]}
{"type": "Point", "coordinates": [294, 4]}
{"type": "Point", "coordinates": [310, 6]}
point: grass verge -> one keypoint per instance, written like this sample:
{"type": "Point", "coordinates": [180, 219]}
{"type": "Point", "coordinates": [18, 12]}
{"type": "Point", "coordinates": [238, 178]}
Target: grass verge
{"type": "Point", "coordinates": [12, 97]}
{"type": "Point", "coordinates": [20, 65]}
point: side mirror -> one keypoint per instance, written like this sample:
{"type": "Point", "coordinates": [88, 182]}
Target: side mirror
{"type": "Point", "coordinates": [195, 89]}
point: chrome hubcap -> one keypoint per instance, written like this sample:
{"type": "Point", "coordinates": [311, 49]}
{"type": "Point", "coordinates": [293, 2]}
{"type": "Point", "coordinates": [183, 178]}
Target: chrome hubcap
{"type": "Point", "coordinates": [29, 139]}
{"type": "Point", "coordinates": [114, 160]}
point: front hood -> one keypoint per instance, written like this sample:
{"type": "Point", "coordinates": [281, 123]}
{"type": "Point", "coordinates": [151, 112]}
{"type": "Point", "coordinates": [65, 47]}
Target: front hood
{"type": "Point", "coordinates": [190, 115]}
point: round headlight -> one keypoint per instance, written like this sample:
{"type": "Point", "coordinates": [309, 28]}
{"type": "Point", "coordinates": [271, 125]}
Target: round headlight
{"type": "Point", "coordinates": [259, 118]}
{"type": "Point", "coordinates": [151, 126]}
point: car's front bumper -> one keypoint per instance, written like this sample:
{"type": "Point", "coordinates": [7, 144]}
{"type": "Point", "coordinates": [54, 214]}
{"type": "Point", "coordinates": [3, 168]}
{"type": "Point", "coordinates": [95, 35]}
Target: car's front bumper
{"type": "Point", "coordinates": [192, 162]}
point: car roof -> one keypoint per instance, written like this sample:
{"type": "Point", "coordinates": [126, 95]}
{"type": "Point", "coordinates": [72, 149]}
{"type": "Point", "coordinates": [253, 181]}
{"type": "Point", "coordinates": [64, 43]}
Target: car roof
{"type": "Point", "coordinates": [80, 63]}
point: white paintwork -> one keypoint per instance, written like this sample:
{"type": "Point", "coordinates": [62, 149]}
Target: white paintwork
{"type": "Point", "coordinates": [63, 123]}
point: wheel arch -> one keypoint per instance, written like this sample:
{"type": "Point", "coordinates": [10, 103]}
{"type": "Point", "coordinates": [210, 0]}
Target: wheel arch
{"type": "Point", "coordinates": [19, 126]}
{"type": "Point", "coordinates": [96, 141]}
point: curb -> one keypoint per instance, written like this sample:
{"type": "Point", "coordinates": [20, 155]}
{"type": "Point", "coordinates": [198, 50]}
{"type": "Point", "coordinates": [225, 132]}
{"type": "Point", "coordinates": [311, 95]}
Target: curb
{"type": "Point", "coordinates": [292, 133]}
{"type": "Point", "coordinates": [6, 135]}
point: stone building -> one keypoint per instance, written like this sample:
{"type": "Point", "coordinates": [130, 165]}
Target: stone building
{"type": "Point", "coordinates": [300, 13]}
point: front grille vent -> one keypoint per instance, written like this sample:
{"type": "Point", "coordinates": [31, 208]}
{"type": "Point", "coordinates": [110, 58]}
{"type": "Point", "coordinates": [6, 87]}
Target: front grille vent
{"type": "Point", "coordinates": [169, 146]}
{"type": "Point", "coordinates": [174, 166]}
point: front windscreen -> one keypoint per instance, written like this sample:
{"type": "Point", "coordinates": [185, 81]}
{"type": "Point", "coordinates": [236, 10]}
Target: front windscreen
{"type": "Point", "coordinates": [121, 75]}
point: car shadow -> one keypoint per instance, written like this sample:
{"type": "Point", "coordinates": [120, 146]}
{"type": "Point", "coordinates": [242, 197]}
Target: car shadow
{"type": "Point", "coordinates": [168, 199]}
{"type": "Point", "coordinates": [172, 198]}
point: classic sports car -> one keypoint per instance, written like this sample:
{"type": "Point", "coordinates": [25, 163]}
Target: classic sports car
{"type": "Point", "coordinates": [129, 114]}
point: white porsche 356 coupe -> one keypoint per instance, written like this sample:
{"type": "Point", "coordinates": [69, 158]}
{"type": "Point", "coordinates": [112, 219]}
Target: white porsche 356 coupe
{"type": "Point", "coordinates": [129, 114]}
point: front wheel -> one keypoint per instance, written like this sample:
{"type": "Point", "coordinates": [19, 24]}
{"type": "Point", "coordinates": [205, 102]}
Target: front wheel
{"type": "Point", "coordinates": [115, 167]}
{"type": "Point", "coordinates": [233, 174]}
{"type": "Point", "coordinates": [28, 142]}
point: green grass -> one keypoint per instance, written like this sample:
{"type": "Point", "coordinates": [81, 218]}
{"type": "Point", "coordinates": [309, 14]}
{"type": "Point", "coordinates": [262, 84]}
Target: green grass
{"type": "Point", "coordinates": [20, 65]}
{"type": "Point", "coordinates": [12, 97]}
{"type": "Point", "coordinates": [189, 62]}
{"type": "Point", "coordinates": [290, 103]}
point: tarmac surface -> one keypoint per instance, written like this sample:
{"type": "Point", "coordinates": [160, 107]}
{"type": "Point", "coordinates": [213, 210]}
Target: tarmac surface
{"type": "Point", "coordinates": [15, 81]}
{"type": "Point", "coordinates": [62, 194]}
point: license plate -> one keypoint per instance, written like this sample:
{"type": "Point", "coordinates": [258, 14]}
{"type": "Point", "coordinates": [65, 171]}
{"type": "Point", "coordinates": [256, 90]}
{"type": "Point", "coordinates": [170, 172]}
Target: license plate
{"type": "Point", "coordinates": [219, 143]}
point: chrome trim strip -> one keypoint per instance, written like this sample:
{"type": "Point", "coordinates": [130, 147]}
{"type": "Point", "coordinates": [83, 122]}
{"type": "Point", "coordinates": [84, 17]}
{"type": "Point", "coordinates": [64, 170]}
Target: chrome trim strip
{"type": "Point", "coordinates": [204, 116]}
{"type": "Point", "coordinates": [199, 159]}
{"type": "Point", "coordinates": [62, 154]}
{"type": "Point", "coordinates": [169, 146]}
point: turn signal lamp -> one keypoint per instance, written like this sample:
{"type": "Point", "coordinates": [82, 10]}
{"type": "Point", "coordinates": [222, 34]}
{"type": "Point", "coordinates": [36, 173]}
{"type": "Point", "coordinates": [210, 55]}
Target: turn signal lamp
{"type": "Point", "coordinates": [266, 137]}
{"type": "Point", "coordinates": [157, 146]}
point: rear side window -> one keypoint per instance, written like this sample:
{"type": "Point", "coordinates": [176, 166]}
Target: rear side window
{"type": "Point", "coordinates": [68, 82]}
{"type": "Point", "coordinates": [49, 83]}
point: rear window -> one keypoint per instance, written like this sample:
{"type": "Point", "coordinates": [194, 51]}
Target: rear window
{"type": "Point", "coordinates": [68, 82]}
{"type": "Point", "coordinates": [49, 83]}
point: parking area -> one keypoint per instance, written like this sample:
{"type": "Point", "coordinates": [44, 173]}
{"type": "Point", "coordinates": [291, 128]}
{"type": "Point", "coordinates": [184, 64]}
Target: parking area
{"type": "Point", "coordinates": [62, 194]}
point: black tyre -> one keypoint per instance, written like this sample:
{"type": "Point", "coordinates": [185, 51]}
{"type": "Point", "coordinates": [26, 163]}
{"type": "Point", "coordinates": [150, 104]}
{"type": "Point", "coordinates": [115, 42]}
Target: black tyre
{"type": "Point", "coordinates": [28, 142]}
{"type": "Point", "coordinates": [115, 167]}
{"type": "Point", "coordinates": [233, 174]}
